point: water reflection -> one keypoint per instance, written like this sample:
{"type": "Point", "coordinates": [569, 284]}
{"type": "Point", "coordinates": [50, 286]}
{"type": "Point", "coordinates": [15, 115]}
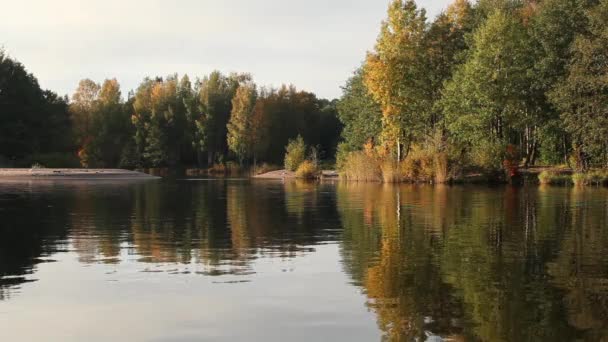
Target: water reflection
{"type": "Point", "coordinates": [217, 227]}
{"type": "Point", "coordinates": [506, 264]}
{"type": "Point", "coordinates": [460, 263]}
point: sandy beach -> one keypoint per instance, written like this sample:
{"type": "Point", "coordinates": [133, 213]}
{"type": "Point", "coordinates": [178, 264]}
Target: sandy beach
{"type": "Point", "coordinates": [73, 174]}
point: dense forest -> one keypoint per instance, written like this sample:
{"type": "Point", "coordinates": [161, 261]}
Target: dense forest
{"type": "Point", "coordinates": [491, 86]}
{"type": "Point", "coordinates": [165, 122]}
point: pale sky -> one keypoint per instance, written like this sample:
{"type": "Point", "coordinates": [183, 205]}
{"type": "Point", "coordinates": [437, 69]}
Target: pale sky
{"type": "Point", "coordinates": [313, 44]}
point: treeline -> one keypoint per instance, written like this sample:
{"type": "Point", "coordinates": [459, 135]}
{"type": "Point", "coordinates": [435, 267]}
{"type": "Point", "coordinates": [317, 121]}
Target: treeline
{"type": "Point", "coordinates": [489, 86]}
{"type": "Point", "coordinates": [33, 122]}
{"type": "Point", "coordinates": [165, 122]}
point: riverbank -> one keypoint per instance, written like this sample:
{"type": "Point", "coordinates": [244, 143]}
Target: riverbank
{"type": "Point", "coordinates": [285, 174]}
{"type": "Point", "coordinates": [556, 175]}
{"type": "Point", "coordinates": [43, 173]}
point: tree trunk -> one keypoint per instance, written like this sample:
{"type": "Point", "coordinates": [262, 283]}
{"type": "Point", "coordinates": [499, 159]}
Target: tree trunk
{"type": "Point", "coordinates": [209, 158]}
{"type": "Point", "coordinates": [533, 153]}
{"type": "Point", "coordinates": [398, 150]}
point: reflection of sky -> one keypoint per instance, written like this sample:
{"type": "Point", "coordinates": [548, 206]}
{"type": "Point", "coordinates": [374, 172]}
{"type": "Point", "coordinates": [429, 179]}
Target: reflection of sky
{"type": "Point", "coordinates": [285, 299]}
{"type": "Point", "coordinates": [313, 44]}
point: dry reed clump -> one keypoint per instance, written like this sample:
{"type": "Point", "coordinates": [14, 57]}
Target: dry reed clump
{"type": "Point", "coordinates": [425, 165]}
{"type": "Point", "coordinates": [391, 172]}
{"type": "Point", "coordinates": [361, 166]}
{"type": "Point", "coordinates": [441, 167]}
{"type": "Point", "coordinates": [421, 165]}
{"type": "Point", "coordinates": [554, 178]}
{"type": "Point", "coordinates": [579, 179]}
{"type": "Point", "coordinates": [597, 177]}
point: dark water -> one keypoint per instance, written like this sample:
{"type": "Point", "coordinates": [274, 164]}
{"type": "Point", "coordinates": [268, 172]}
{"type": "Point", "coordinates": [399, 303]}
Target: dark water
{"type": "Point", "coordinates": [236, 260]}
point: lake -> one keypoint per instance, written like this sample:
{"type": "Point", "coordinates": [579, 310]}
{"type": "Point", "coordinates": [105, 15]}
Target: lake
{"type": "Point", "coordinates": [243, 260]}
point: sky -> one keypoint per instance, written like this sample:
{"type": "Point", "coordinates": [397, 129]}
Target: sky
{"type": "Point", "coordinates": [313, 44]}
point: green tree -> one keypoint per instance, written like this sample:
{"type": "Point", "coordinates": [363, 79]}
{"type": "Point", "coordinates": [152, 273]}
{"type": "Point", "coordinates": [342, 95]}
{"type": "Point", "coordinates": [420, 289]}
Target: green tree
{"type": "Point", "coordinates": [582, 97]}
{"type": "Point", "coordinates": [33, 122]}
{"type": "Point", "coordinates": [160, 119]}
{"type": "Point", "coordinates": [553, 29]}
{"type": "Point", "coordinates": [295, 153]}
{"type": "Point", "coordinates": [215, 95]}
{"type": "Point", "coordinates": [488, 101]}
{"type": "Point", "coordinates": [359, 113]}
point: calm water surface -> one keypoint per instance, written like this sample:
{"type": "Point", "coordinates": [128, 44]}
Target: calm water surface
{"type": "Point", "coordinates": [236, 260]}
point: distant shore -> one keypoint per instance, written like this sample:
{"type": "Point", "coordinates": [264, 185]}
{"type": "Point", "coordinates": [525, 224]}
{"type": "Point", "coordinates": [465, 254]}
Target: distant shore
{"type": "Point", "coordinates": [43, 173]}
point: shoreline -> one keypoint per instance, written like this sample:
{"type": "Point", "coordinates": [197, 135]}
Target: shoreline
{"type": "Point", "coordinates": [284, 174]}
{"type": "Point", "coordinates": [15, 173]}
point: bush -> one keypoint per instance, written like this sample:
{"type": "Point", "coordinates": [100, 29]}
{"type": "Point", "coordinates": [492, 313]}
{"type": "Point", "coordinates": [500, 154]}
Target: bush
{"type": "Point", "coordinates": [489, 156]}
{"type": "Point", "coordinates": [307, 170]}
{"type": "Point", "coordinates": [295, 153]}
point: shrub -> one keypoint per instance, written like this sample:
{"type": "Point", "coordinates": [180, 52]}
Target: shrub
{"type": "Point", "coordinates": [295, 153]}
{"type": "Point", "coordinates": [544, 177]}
{"type": "Point", "coordinates": [307, 170]}
{"type": "Point", "coordinates": [489, 156]}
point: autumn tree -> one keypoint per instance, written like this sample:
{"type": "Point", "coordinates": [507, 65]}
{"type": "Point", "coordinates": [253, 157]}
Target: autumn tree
{"type": "Point", "coordinates": [240, 126]}
{"type": "Point", "coordinates": [82, 107]}
{"type": "Point", "coordinates": [393, 74]}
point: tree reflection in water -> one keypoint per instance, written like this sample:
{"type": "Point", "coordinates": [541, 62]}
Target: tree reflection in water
{"type": "Point", "coordinates": [461, 262]}
{"type": "Point", "coordinates": [504, 264]}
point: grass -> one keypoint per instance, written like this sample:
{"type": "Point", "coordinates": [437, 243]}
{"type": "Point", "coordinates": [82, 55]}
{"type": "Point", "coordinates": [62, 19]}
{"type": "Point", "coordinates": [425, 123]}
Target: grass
{"type": "Point", "coordinates": [554, 178]}
{"type": "Point", "coordinates": [595, 177]}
